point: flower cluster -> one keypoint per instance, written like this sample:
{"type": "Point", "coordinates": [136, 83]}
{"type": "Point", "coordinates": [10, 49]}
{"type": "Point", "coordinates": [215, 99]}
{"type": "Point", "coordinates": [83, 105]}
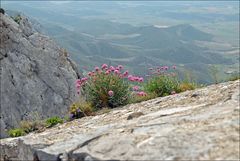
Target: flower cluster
{"type": "Point", "coordinates": [108, 70]}
{"type": "Point", "coordinates": [160, 70]}
{"type": "Point", "coordinates": [135, 78]}
{"type": "Point", "coordinates": [141, 93]}
{"type": "Point", "coordinates": [136, 90]}
{"type": "Point", "coordinates": [108, 85]}
{"type": "Point", "coordinates": [79, 83]}
{"type": "Point", "coordinates": [111, 86]}
{"type": "Point", "coordinates": [116, 70]}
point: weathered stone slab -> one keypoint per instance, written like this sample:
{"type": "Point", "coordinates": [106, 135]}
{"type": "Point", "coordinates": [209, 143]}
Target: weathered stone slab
{"type": "Point", "coordinates": [176, 127]}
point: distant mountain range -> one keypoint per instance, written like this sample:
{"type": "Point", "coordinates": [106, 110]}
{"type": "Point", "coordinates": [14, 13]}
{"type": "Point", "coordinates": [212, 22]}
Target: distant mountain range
{"type": "Point", "coordinates": [138, 47]}
{"type": "Point", "coordinates": [92, 42]}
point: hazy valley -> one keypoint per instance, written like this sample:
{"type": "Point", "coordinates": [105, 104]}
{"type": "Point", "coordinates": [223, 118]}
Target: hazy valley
{"type": "Point", "coordinates": [100, 32]}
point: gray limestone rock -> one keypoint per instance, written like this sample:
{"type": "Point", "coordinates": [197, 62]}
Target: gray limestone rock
{"type": "Point", "coordinates": [36, 76]}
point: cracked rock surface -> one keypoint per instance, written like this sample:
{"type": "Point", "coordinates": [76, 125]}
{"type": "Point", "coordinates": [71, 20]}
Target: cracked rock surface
{"type": "Point", "coordinates": [202, 124]}
{"type": "Point", "coordinates": [35, 75]}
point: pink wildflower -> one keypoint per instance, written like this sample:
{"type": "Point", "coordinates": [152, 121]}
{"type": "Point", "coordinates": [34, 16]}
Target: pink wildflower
{"type": "Point", "coordinates": [131, 78]}
{"type": "Point", "coordinates": [136, 79]}
{"type": "Point", "coordinates": [174, 67]}
{"type": "Point", "coordinates": [78, 81]}
{"type": "Point", "coordinates": [84, 79]}
{"type": "Point", "coordinates": [110, 93]}
{"type": "Point", "coordinates": [104, 66]}
{"type": "Point", "coordinates": [125, 73]}
{"type": "Point", "coordinates": [140, 79]}
{"type": "Point", "coordinates": [120, 67]}
{"type": "Point", "coordinates": [97, 69]}
{"type": "Point", "coordinates": [78, 86]}
{"type": "Point", "coordinates": [142, 93]}
{"type": "Point", "coordinates": [107, 72]}
{"type": "Point", "coordinates": [89, 73]}
{"type": "Point", "coordinates": [116, 71]}
{"type": "Point", "coordinates": [111, 68]}
{"type": "Point", "coordinates": [135, 88]}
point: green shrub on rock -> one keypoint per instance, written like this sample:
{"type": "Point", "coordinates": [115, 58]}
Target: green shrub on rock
{"type": "Point", "coordinates": [162, 85]}
{"type": "Point", "coordinates": [16, 132]}
{"type": "Point", "coordinates": [164, 81]}
{"type": "Point", "coordinates": [30, 126]}
{"type": "Point", "coordinates": [53, 121]}
{"type": "Point", "coordinates": [135, 98]}
{"type": "Point", "coordinates": [185, 86]}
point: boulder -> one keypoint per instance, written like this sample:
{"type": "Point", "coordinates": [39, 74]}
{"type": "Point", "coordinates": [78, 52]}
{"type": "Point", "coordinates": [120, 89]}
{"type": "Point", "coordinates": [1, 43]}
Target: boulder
{"type": "Point", "coordinates": [36, 76]}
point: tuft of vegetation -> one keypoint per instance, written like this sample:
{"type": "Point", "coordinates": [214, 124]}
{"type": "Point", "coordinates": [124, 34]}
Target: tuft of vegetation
{"type": "Point", "coordinates": [81, 109]}
{"type": "Point", "coordinates": [186, 86]}
{"type": "Point", "coordinates": [135, 98]}
{"type": "Point", "coordinates": [17, 18]}
{"type": "Point", "coordinates": [162, 85]}
{"type": "Point", "coordinates": [107, 91]}
{"type": "Point", "coordinates": [166, 82]}
{"type": "Point", "coordinates": [16, 132]}
{"type": "Point", "coordinates": [50, 122]}
{"type": "Point", "coordinates": [27, 126]}
{"type": "Point", "coordinates": [30, 126]}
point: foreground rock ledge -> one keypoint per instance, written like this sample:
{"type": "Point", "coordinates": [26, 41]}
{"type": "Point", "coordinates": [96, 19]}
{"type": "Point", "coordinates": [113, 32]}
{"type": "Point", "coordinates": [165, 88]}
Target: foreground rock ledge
{"type": "Point", "coordinates": [199, 124]}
